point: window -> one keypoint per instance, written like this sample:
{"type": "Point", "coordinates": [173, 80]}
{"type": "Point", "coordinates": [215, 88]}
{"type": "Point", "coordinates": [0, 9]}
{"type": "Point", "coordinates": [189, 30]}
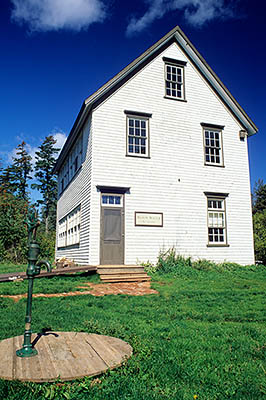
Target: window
{"type": "Point", "coordinates": [111, 200]}
{"type": "Point", "coordinates": [69, 229]}
{"type": "Point", "coordinates": [137, 134]}
{"type": "Point", "coordinates": [174, 78]}
{"type": "Point", "coordinates": [213, 151]}
{"type": "Point", "coordinates": [72, 164]}
{"type": "Point", "coordinates": [216, 219]}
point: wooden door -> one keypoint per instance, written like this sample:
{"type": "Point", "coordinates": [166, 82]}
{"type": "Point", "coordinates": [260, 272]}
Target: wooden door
{"type": "Point", "coordinates": [112, 229]}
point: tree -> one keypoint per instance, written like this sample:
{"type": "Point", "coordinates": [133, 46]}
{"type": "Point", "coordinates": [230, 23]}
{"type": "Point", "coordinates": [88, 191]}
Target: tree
{"type": "Point", "coordinates": [259, 225]}
{"type": "Point", "coordinates": [7, 180]}
{"type": "Point", "coordinates": [21, 171]}
{"type": "Point", "coordinates": [259, 197]}
{"type": "Point", "coordinates": [13, 233]}
{"type": "Point", "coordinates": [47, 185]}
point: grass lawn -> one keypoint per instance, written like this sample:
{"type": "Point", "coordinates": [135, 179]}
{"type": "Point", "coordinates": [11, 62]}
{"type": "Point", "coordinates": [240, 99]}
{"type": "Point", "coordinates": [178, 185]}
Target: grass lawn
{"type": "Point", "coordinates": [202, 337]}
{"type": "Point", "coordinates": [53, 284]}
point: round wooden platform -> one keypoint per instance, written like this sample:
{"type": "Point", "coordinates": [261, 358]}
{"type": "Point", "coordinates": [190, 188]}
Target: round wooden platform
{"type": "Point", "coordinates": [62, 355]}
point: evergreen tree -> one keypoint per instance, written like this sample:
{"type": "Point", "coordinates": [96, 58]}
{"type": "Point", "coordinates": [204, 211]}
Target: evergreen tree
{"type": "Point", "coordinates": [259, 197]}
{"type": "Point", "coordinates": [47, 185]}
{"type": "Point", "coordinates": [7, 180]}
{"type": "Point", "coordinates": [20, 171]}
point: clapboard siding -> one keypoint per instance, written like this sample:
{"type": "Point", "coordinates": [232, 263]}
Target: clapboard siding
{"type": "Point", "coordinates": [79, 192]}
{"type": "Point", "coordinates": [174, 179]}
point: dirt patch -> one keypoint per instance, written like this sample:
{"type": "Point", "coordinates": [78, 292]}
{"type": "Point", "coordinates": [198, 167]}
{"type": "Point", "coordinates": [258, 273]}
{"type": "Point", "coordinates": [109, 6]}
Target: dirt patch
{"type": "Point", "coordinates": [98, 289]}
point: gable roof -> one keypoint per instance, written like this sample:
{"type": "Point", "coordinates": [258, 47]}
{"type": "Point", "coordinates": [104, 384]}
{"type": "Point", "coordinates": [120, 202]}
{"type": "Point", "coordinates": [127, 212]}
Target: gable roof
{"type": "Point", "coordinates": [176, 35]}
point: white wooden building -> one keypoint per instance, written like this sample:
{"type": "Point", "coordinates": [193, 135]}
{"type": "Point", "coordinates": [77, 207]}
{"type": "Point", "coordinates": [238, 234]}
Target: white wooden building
{"type": "Point", "coordinates": [157, 158]}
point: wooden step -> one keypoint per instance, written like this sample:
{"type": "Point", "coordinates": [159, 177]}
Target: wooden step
{"type": "Point", "coordinates": [124, 276]}
{"type": "Point", "coordinates": [123, 279]}
{"type": "Point", "coordinates": [116, 271]}
{"type": "Point", "coordinates": [122, 273]}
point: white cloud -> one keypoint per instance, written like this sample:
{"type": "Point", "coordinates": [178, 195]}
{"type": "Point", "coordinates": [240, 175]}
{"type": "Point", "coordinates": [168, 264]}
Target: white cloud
{"type": "Point", "coordinates": [60, 140]}
{"type": "Point", "coordinates": [53, 15]}
{"type": "Point", "coordinates": [196, 12]}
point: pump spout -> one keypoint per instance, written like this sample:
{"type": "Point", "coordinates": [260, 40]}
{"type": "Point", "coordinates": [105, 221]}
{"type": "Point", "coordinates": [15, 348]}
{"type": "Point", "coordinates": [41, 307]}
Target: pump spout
{"type": "Point", "coordinates": [45, 263]}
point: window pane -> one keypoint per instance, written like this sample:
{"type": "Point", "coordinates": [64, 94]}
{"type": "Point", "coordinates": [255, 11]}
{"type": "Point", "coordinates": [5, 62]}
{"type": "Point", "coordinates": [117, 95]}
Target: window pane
{"type": "Point", "coordinates": [137, 123]}
{"type": "Point", "coordinates": [131, 122]}
{"type": "Point", "coordinates": [117, 199]}
{"type": "Point", "coordinates": [143, 124]}
{"type": "Point", "coordinates": [104, 199]}
{"type": "Point", "coordinates": [143, 132]}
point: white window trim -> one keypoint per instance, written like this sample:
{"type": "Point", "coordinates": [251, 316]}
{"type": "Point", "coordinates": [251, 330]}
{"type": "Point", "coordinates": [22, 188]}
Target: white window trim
{"type": "Point", "coordinates": [219, 198]}
{"type": "Point", "coordinates": [112, 205]}
{"type": "Point", "coordinates": [139, 117]}
{"type": "Point", "coordinates": [182, 83]}
{"type": "Point", "coordinates": [215, 130]}
{"type": "Point", "coordinates": [69, 228]}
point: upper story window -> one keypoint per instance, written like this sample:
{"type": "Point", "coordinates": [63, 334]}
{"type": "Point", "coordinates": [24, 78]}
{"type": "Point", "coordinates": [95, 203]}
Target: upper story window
{"type": "Point", "coordinates": [137, 134]}
{"type": "Point", "coordinates": [216, 218]}
{"type": "Point", "coordinates": [71, 165]}
{"type": "Point", "coordinates": [213, 144]}
{"type": "Point", "coordinates": [174, 78]}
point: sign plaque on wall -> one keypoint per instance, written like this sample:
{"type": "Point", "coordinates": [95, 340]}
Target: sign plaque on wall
{"type": "Point", "coordinates": [148, 219]}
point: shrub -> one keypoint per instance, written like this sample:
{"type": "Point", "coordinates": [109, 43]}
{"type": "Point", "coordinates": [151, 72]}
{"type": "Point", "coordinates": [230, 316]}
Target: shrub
{"type": "Point", "coordinates": [259, 226]}
{"type": "Point", "coordinates": [13, 232]}
{"type": "Point", "coordinates": [46, 242]}
{"type": "Point", "coordinates": [169, 261]}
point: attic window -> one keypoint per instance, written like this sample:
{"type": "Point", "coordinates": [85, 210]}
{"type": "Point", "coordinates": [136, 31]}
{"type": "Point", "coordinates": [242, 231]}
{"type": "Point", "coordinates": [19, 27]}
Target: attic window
{"type": "Point", "coordinates": [174, 78]}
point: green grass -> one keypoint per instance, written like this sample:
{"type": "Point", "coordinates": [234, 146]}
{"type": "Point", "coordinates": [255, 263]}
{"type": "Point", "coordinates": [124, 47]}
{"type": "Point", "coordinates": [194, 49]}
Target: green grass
{"type": "Point", "coordinates": [204, 335]}
{"type": "Point", "coordinates": [8, 268]}
{"type": "Point", "coordinates": [53, 284]}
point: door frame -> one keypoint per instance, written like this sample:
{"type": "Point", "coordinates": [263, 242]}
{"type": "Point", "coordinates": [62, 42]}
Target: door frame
{"type": "Point", "coordinates": [122, 208]}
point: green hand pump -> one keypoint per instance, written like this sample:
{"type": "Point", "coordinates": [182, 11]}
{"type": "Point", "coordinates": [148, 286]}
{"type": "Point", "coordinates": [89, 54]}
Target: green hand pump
{"type": "Point", "coordinates": [33, 269]}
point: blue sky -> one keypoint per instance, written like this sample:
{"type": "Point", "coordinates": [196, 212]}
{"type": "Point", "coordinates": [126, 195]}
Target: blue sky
{"type": "Point", "coordinates": [55, 53]}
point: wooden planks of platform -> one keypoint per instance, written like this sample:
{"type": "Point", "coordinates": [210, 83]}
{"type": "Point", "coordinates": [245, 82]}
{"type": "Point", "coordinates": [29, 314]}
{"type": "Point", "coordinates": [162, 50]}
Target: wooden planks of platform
{"type": "Point", "coordinates": [122, 273]}
{"type": "Point", "coordinates": [12, 276]}
{"type": "Point", "coordinates": [62, 355]}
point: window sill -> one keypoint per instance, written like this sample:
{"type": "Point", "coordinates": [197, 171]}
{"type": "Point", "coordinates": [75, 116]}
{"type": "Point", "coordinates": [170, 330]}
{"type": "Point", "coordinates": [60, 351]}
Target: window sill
{"type": "Point", "coordinates": [214, 165]}
{"type": "Point", "coordinates": [137, 156]}
{"type": "Point", "coordinates": [69, 246]}
{"type": "Point", "coordinates": [175, 98]}
{"type": "Point", "coordinates": [218, 245]}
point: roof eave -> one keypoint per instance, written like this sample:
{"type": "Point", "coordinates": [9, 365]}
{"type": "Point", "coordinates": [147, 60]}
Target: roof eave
{"type": "Point", "coordinates": [215, 82]}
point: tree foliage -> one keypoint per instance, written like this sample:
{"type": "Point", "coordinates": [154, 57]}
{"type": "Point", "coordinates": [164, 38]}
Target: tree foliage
{"type": "Point", "coordinates": [259, 220]}
{"type": "Point", "coordinates": [259, 226]}
{"type": "Point", "coordinates": [20, 171]}
{"type": "Point", "coordinates": [13, 234]}
{"type": "Point", "coordinates": [47, 184]}
{"type": "Point", "coordinates": [259, 197]}
{"type": "Point", "coordinates": [14, 202]}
